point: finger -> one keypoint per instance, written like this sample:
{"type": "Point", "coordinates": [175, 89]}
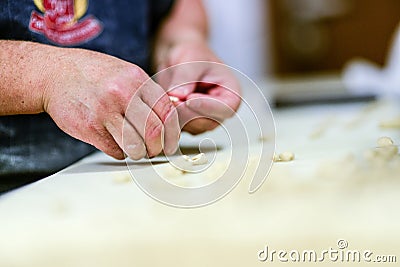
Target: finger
{"type": "Point", "coordinates": [220, 75]}
{"type": "Point", "coordinates": [147, 124]}
{"type": "Point", "coordinates": [126, 136]}
{"type": "Point", "coordinates": [219, 103]}
{"type": "Point", "coordinates": [133, 144]}
{"type": "Point", "coordinates": [163, 76]}
{"type": "Point", "coordinates": [182, 91]}
{"type": "Point", "coordinates": [184, 78]}
{"type": "Point", "coordinates": [198, 126]}
{"type": "Point", "coordinates": [108, 145]}
{"type": "Point", "coordinates": [158, 101]}
{"type": "Point", "coordinates": [172, 132]}
{"type": "Point", "coordinates": [104, 141]}
{"type": "Point", "coordinates": [193, 122]}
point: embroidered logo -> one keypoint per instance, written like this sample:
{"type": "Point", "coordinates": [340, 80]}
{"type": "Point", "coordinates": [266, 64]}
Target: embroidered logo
{"type": "Point", "coordinates": [61, 21]}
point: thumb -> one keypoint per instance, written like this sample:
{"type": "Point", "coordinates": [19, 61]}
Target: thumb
{"type": "Point", "coordinates": [184, 80]}
{"type": "Point", "coordinates": [182, 91]}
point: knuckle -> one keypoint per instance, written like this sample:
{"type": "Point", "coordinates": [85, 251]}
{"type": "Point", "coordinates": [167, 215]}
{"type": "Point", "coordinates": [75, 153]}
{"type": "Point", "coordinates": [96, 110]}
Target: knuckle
{"type": "Point", "coordinates": [114, 89]}
{"type": "Point", "coordinates": [153, 138]}
{"type": "Point", "coordinates": [137, 73]}
{"type": "Point", "coordinates": [116, 92]}
{"type": "Point", "coordinates": [168, 112]}
{"type": "Point", "coordinates": [110, 98]}
{"type": "Point", "coordinates": [153, 130]}
{"type": "Point", "coordinates": [154, 151]}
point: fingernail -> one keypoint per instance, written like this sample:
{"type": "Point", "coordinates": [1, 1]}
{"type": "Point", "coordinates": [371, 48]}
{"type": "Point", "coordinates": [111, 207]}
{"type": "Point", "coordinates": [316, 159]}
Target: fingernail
{"type": "Point", "coordinates": [193, 103]}
{"type": "Point", "coordinates": [186, 91]}
{"type": "Point", "coordinates": [181, 90]}
{"type": "Point", "coordinates": [131, 148]}
{"type": "Point", "coordinates": [135, 151]}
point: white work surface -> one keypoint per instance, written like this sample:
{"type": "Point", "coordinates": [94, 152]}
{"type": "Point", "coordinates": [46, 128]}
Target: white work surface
{"type": "Point", "coordinates": [90, 215]}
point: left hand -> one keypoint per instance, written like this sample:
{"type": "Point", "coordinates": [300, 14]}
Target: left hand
{"type": "Point", "coordinates": [207, 93]}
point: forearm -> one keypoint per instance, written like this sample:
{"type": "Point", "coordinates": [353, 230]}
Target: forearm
{"type": "Point", "coordinates": [25, 73]}
{"type": "Point", "coordinates": [186, 23]}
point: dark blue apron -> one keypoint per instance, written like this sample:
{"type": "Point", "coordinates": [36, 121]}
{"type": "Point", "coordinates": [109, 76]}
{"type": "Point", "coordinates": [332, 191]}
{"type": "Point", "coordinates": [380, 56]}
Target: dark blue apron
{"type": "Point", "coordinates": [32, 146]}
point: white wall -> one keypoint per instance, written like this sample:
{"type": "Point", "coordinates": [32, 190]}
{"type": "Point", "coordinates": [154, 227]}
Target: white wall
{"type": "Point", "coordinates": [238, 34]}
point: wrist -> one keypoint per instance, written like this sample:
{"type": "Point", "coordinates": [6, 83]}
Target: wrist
{"type": "Point", "coordinates": [55, 65]}
{"type": "Point", "coordinates": [40, 63]}
{"type": "Point", "coordinates": [25, 75]}
{"type": "Point", "coordinates": [47, 75]}
{"type": "Point", "coordinates": [164, 47]}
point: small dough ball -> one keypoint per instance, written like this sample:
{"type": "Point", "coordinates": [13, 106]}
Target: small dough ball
{"type": "Point", "coordinates": [173, 99]}
{"type": "Point", "coordinates": [286, 156]}
{"type": "Point", "coordinates": [122, 178]}
{"type": "Point", "coordinates": [385, 141]}
{"type": "Point", "coordinates": [185, 157]}
{"type": "Point", "coordinates": [184, 164]}
{"type": "Point", "coordinates": [264, 138]}
{"type": "Point", "coordinates": [200, 159]}
{"type": "Point", "coordinates": [187, 162]}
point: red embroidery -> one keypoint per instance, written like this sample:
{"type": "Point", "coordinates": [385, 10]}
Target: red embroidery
{"type": "Point", "coordinates": [60, 24]}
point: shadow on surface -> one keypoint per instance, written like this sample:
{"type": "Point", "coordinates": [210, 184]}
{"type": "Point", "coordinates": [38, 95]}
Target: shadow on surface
{"type": "Point", "coordinates": [112, 166]}
{"type": "Point", "coordinates": [116, 166]}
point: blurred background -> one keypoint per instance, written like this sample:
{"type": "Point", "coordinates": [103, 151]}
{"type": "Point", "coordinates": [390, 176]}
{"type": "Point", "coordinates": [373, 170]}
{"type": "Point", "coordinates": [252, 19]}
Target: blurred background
{"type": "Point", "coordinates": [280, 38]}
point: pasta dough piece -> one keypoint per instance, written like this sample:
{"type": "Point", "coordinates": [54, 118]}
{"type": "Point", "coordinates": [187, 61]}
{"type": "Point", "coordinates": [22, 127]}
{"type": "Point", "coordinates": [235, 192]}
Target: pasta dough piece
{"type": "Point", "coordinates": [385, 141]}
{"type": "Point", "coordinates": [264, 138]}
{"type": "Point", "coordinates": [122, 178]}
{"type": "Point", "coordinates": [199, 159]}
{"type": "Point", "coordinates": [385, 151]}
{"type": "Point", "coordinates": [173, 99]}
{"type": "Point", "coordinates": [286, 156]}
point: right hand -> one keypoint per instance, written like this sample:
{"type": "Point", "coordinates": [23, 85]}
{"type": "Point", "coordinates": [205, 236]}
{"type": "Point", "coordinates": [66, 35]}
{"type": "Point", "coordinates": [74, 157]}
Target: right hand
{"type": "Point", "coordinates": [88, 98]}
